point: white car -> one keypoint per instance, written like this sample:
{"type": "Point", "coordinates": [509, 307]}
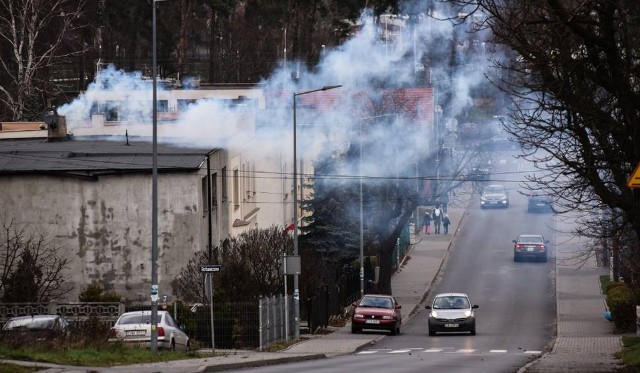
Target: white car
{"type": "Point", "coordinates": [135, 328]}
{"type": "Point", "coordinates": [494, 195]}
{"type": "Point", "coordinates": [452, 312]}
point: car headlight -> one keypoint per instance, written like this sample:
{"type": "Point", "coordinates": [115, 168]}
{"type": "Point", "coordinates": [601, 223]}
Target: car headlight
{"type": "Point", "coordinates": [358, 316]}
{"type": "Point", "coordinates": [482, 199]}
{"type": "Point", "coordinates": [387, 317]}
{"type": "Point", "coordinates": [434, 314]}
{"type": "Point", "coordinates": [467, 313]}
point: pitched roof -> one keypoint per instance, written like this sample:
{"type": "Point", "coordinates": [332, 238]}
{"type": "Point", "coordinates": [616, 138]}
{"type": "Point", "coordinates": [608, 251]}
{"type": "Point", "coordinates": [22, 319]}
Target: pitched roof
{"type": "Point", "coordinates": [92, 157]}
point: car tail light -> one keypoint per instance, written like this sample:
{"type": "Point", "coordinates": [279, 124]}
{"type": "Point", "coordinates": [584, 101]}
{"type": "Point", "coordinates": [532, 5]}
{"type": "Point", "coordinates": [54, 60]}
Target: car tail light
{"type": "Point", "coordinates": [519, 246]}
{"type": "Point", "coordinates": [160, 331]}
{"type": "Point", "coordinates": [541, 247]}
{"type": "Point", "coordinates": [112, 332]}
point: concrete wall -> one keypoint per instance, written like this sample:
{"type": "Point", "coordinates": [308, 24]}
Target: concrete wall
{"type": "Point", "coordinates": [104, 226]}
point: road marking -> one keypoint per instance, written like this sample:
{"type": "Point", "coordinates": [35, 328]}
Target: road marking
{"type": "Point", "coordinates": [366, 352]}
{"type": "Point", "coordinates": [533, 352]}
{"type": "Point", "coordinates": [465, 351]}
{"type": "Point", "coordinates": [499, 351]}
{"type": "Point", "coordinates": [434, 350]}
{"type": "Point", "coordinates": [399, 351]}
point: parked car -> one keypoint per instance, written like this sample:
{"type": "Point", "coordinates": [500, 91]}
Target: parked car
{"type": "Point", "coordinates": [135, 328]}
{"type": "Point", "coordinates": [452, 312]}
{"type": "Point", "coordinates": [530, 246]}
{"type": "Point", "coordinates": [539, 201]}
{"type": "Point", "coordinates": [494, 195]}
{"type": "Point", "coordinates": [35, 328]}
{"type": "Point", "coordinates": [374, 311]}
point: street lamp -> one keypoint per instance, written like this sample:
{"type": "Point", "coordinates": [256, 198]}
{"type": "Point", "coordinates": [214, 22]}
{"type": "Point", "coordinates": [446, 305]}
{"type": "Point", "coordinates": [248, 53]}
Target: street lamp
{"type": "Point", "coordinates": [296, 288]}
{"type": "Point", "coordinates": [154, 200]}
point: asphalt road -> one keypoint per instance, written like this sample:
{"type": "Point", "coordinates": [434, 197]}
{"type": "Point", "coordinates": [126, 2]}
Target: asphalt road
{"type": "Point", "coordinates": [516, 318]}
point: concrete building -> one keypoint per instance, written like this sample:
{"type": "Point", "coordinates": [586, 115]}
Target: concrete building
{"type": "Point", "coordinates": [89, 188]}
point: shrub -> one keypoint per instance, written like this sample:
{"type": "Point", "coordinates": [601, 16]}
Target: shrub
{"type": "Point", "coordinates": [621, 300]}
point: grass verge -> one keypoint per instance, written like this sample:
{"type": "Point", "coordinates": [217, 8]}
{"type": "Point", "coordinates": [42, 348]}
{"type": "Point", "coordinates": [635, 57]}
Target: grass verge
{"type": "Point", "coordinates": [108, 355]}
{"type": "Point", "coordinates": [630, 354]}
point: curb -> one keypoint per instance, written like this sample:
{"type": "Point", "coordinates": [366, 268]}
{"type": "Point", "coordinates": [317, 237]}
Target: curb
{"type": "Point", "coordinates": [263, 363]}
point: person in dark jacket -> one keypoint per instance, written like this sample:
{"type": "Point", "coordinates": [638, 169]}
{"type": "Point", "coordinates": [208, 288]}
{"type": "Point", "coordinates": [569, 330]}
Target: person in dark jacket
{"type": "Point", "coordinates": [445, 223]}
{"type": "Point", "coordinates": [427, 222]}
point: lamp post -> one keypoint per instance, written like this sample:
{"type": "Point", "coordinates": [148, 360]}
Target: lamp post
{"type": "Point", "coordinates": [296, 288]}
{"type": "Point", "coordinates": [154, 199]}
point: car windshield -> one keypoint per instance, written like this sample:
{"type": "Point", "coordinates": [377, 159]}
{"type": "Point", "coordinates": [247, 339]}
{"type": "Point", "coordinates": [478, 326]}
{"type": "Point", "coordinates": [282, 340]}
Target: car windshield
{"type": "Point", "coordinates": [451, 302]}
{"type": "Point", "coordinates": [30, 323]}
{"type": "Point", "coordinates": [378, 302]}
{"type": "Point", "coordinates": [494, 189]}
{"type": "Point", "coordinates": [530, 239]}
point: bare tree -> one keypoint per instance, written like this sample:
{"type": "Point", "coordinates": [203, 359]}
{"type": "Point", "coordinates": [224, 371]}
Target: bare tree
{"type": "Point", "coordinates": [573, 74]}
{"type": "Point", "coordinates": [251, 266]}
{"type": "Point", "coordinates": [30, 258]}
{"type": "Point", "coordinates": [34, 35]}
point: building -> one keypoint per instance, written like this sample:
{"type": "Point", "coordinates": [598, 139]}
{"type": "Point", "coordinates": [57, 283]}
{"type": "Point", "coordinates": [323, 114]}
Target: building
{"type": "Point", "coordinates": [89, 188]}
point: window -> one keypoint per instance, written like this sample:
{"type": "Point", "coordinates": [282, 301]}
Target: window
{"type": "Point", "coordinates": [214, 190]}
{"type": "Point", "coordinates": [225, 196]}
{"type": "Point", "coordinates": [183, 104]}
{"type": "Point", "coordinates": [236, 188]}
{"type": "Point", "coordinates": [205, 197]}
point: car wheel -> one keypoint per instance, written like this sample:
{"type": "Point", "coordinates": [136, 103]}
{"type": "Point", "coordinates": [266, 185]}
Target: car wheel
{"type": "Point", "coordinates": [394, 330]}
{"type": "Point", "coordinates": [187, 347]}
{"type": "Point", "coordinates": [355, 329]}
{"type": "Point", "coordinates": [544, 258]}
{"type": "Point", "coordinates": [173, 346]}
{"type": "Point", "coordinates": [432, 333]}
{"type": "Point", "coordinates": [473, 331]}
{"type": "Point", "coordinates": [516, 258]}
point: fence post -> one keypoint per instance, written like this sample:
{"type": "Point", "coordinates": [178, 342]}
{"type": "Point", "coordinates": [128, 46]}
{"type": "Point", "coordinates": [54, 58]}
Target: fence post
{"type": "Point", "coordinates": [260, 321]}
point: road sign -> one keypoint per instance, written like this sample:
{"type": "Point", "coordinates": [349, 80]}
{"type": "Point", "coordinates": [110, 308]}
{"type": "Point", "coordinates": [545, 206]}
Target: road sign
{"type": "Point", "coordinates": [208, 268]}
{"type": "Point", "coordinates": [634, 180]}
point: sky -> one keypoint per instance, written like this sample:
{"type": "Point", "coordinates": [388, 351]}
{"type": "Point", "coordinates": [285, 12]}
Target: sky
{"type": "Point", "coordinates": [358, 65]}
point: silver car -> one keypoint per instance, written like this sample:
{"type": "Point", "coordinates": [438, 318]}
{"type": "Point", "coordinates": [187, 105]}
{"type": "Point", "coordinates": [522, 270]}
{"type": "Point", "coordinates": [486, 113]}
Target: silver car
{"type": "Point", "coordinates": [452, 312]}
{"type": "Point", "coordinates": [494, 195]}
{"type": "Point", "coordinates": [135, 328]}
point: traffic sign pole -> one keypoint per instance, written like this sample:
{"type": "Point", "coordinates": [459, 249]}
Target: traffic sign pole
{"type": "Point", "coordinates": [209, 270]}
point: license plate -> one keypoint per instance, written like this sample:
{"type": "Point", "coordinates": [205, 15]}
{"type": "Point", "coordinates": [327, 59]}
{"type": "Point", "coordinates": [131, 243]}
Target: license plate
{"type": "Point", "coordinates": [530, 249]}
{"type": "Point", "coordinates": [131, 333]}
{"type": "Point", "coordinates": [372, 322]}
{"type": "Point", "coordinates": [451, 325]}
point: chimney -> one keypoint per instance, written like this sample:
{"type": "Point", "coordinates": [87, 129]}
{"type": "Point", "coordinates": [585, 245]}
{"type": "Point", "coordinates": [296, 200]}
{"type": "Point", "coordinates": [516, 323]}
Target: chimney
{"type": "Point", "coordinates": [56, 125]}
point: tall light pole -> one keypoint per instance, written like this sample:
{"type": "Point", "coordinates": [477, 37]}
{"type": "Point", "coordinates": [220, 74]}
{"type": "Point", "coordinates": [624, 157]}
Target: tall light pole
{"type": "Point", "coordinates": [296, 287]}
{"type": "Point", "coordinates": [154, 199]}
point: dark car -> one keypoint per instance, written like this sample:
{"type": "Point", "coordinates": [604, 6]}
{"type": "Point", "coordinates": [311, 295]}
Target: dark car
{"type": "Point", "coordinates": [539, 201]}
{"type": "Point", "coordinates": [452, 313]}
{"type": "Point", "coordinates": [494, 195]}
{"type": "Point", "coordinates": [380, 312]}
{"type": "Point", "coordinates": [530, 246]}
{"type": "Point", "coordinates": [35, 328]}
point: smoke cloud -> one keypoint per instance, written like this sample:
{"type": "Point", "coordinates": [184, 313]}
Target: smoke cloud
{"type": "Point", "coordinates": [365, 66]}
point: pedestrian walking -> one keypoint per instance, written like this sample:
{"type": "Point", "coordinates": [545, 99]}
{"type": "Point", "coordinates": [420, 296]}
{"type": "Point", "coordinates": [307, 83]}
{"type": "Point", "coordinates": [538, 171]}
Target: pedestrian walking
{"type": "Point", "coordinates": [445, 223]}
{"type": "Point", "coordinates": [427, 222]}
{"type": "Point", "coordinates": [437, 219]}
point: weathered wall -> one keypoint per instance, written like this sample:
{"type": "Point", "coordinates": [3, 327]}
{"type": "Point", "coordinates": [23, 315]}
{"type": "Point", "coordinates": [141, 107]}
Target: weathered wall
{"type": "Point", "coordinates": [104, 226]}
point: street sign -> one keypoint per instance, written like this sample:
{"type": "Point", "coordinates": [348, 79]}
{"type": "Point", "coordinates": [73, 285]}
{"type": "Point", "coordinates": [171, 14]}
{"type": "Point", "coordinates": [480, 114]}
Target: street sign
{"type": "Point", "coordinates": [634, 180]}
{"type": "Point", "coordinates": [209, 268]}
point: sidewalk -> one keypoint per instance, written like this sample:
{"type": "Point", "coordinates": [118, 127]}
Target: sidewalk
{"type": "Point", "coordinates": [585, 340]}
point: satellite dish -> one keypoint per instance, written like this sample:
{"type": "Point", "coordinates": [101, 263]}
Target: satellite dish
{"type": "Point", "coordinates": [50, 117]}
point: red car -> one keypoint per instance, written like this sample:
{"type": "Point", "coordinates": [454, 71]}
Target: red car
{"type": "Point", "coordinates": [376, 311]}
